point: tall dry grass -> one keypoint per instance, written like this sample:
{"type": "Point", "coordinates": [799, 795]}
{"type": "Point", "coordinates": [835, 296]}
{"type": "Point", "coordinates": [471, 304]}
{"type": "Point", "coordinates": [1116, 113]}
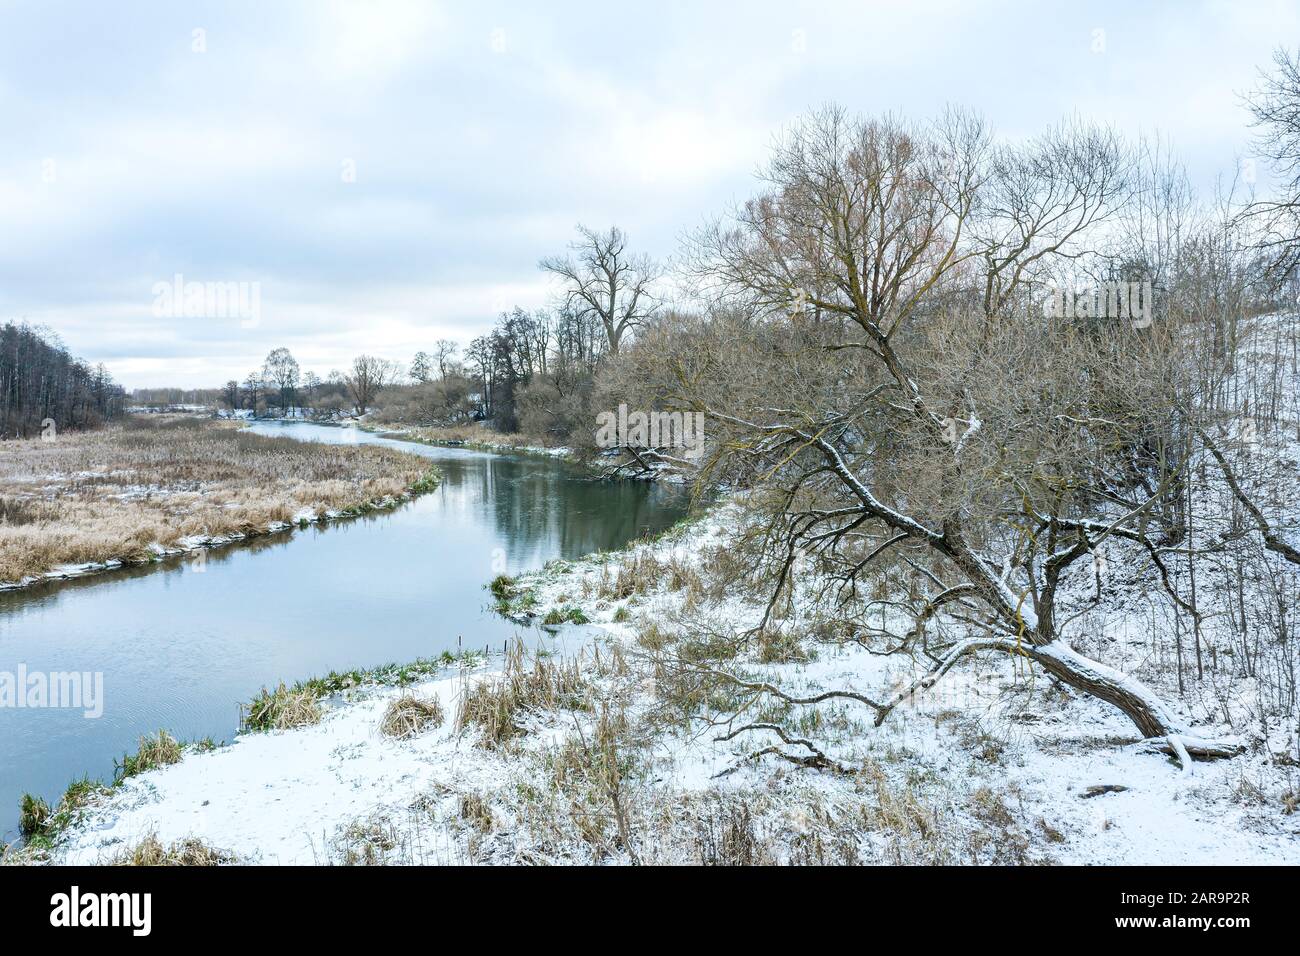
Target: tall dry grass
{"type": "Point", "coordinates": [190, 851]}
{"type": "Point", "coordinates": [409, 716]}
{"type": "Point", "coordinates": [529, 682]}
{"type": "Point", "coordinates": [92, 497]}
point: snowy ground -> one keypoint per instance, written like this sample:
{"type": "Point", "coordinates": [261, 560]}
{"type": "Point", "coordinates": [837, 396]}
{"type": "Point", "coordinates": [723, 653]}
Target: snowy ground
{"type": "Point", "coordinates": [280, 797]}
{"type": "Point", "coordinates": [990, 766]}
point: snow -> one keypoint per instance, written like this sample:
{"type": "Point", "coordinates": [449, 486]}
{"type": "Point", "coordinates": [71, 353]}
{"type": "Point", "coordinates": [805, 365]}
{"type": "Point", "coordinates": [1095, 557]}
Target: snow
{"type": "Point", "coordinates": [277, 797]}
{"type": "Point", "coordinates": [1004, 764]}
{"type": "Point", "coordinates": [411, 433]}
{"type": "Point", "coordinates": [286, 797]}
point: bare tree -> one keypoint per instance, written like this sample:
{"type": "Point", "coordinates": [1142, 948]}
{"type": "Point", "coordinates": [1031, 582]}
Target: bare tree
{"type": "Point", "coordinates": [421, 368]}
{"type": "Point", "coordinates": [1273, 541]}
{"type": "Point", "coordinates": [1277, 113]}
{"type": "Point", "coordinates": [603, 279]}
{"type": "Point", "coordinates": [936, 416]}
{"type": "Point", "coordinates": [1036, 201]}
{"type": "Point", "coordinates": [444, 356]}
{"type": "Point", "coordinates": [254, 390]}
{"type": "Point", "coordinates": [367, 377]}
{"type": "Point", "coordinates": [311, 384]}
{"type": "Point", "coordinates": [281, 371]}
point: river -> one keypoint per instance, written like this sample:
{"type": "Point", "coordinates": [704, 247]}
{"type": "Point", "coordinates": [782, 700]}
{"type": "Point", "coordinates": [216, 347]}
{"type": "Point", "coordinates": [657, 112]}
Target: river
{"type": "Point", "coordinates": [181, 642]}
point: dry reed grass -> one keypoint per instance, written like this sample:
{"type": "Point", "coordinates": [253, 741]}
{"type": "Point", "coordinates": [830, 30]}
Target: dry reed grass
{"type": "Point", "coordinates": [410, 716]}
{"type": "Point", "coordinates": [190, 851]}
{"type": "Point", "coordinates": [156, 750]}
{"type": "Point", "coordinates": [368, 842]}
{"type": "Point", "coordinates": [530, 682]}
{"type": "Point", "coordinates": [94, 497]}
{"type": "Point", "coordinates": [282, 709]}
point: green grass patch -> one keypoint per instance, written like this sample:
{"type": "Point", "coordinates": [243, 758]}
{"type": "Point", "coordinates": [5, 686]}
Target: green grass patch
{"type": "Point", "coordinates": [565, 615]}
{"type": "Point", "coordinates": [157, 750]}
{"type": "Point", "coordinates": [33, 814]}
{"type": "Point", "coordinates": [298, 705]}
{"type": "Point", "coordinates": [427, 482]}
{"type": "Point", "coordinates": [511, 599]}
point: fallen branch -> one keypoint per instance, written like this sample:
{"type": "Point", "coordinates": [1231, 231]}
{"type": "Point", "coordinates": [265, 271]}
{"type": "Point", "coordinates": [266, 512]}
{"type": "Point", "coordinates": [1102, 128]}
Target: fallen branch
{"type": "Point", "coordinates": [817, 760]}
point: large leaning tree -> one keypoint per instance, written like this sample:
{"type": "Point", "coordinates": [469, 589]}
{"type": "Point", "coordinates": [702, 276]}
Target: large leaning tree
{"type": "Point", "coordinates": [881, 369]}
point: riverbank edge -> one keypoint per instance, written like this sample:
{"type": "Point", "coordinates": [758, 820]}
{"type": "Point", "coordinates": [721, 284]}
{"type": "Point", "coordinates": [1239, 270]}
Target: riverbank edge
{"type": "Point", "coordinates": [404, 432]}
{"type": "Point", "coordinates": [337, 690]}
{"type": "Point", "coordinates": [1152, 817]}
{"type": "Point", "coordinates": [428, 482]}
{"type": "Point", "coordinates": [346, 689]}
{"type": "Point", "coordinates": [593, 465]}
{"type": "Point", "coordinates": [401, 431]}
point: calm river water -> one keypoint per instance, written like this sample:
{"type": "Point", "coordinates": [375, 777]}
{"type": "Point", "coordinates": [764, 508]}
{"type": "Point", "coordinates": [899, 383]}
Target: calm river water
{"type": "Point", "coordinates": [179, 648]}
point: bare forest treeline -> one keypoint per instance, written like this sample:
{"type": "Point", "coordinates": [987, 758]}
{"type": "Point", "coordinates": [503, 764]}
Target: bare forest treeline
{"type": "Point", "coordinates": [42, 386]}
{"type": "Point", "coordinates": [534, 372]}
{"type": "Point", "coordinates": [967, 469]}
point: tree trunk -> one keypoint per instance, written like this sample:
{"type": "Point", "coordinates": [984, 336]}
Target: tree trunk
{"type": "Point", "coordinates": [1153, 719]}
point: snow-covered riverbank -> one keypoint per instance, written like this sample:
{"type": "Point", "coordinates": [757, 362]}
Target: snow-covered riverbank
{"type": "Point", "coordinates": [629, 762]}
{"type": "Point", "coordinates": [281, 796]}
{"type": "Point", "coordinates": [479, 438]}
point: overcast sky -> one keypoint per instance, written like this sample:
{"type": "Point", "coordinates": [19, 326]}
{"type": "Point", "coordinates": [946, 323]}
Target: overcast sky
{"type": "Point", "coordinates": [133, 148]}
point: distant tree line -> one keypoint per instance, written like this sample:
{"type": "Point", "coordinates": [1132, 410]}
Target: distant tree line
{"type": "Point", "coordinates": [41, 383]}
{"type": "Point", "coordinates": [535, 371]}
{"type": "Point", "coordinates": [161, 399]}
{"type": "Point", "coordinates": [281, 389]}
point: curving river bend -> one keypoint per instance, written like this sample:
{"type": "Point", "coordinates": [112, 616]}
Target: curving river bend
{"type": "Point", "coordinates": [179, 647]}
